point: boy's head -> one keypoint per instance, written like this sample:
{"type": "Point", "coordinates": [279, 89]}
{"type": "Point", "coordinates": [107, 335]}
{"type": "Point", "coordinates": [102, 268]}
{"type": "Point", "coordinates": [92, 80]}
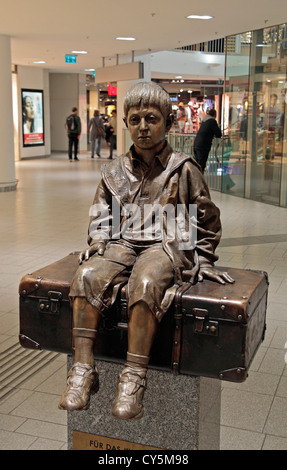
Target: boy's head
{"type": "Point", "coordinates": [149, 94]}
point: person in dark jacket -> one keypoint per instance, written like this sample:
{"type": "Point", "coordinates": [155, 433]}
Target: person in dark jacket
{"type": "Point", "coordinates": [74, 128]}
{"type": "Point", "coordinates": [203, 140]}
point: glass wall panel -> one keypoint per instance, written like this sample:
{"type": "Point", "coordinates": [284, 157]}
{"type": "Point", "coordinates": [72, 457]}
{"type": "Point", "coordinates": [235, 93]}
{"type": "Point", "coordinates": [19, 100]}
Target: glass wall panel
{"type": "Point", "coordinates": [256, 87]}
{"type": "Point", "coordinates": [235, 117]}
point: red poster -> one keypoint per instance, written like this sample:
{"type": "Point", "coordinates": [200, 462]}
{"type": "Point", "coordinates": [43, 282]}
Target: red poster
{"type": "Point", "coordinates": [112, 90]}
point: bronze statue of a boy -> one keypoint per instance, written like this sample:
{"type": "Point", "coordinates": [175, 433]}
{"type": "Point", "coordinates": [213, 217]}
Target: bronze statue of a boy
{"type": "Point", "coordinates": [151, 261]}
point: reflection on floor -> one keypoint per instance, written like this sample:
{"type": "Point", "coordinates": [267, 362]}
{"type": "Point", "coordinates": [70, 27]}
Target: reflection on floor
{"type": "Point", "coordinates": [45, 219]}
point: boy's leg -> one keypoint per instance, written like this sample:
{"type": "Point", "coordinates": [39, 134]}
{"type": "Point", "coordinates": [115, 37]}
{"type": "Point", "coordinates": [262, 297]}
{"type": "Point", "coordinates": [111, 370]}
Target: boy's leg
{"type": "Point", "coordinates": [83, 379]}
{"type": "Point", "coordinates": [132, 380]}
{"type": "Point", "coordinates": [147, 285]}
{"type": "Point", "coordinates": [94, 279]}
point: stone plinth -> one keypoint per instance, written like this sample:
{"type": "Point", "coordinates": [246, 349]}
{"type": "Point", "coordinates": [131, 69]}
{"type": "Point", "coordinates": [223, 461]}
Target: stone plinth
{"type": "Point", "coordinates": [181, 412]}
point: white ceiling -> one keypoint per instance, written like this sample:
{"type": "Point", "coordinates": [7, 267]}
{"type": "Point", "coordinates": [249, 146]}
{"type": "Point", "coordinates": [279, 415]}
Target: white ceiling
{"type": "Point", "coordinates": [47, 30]}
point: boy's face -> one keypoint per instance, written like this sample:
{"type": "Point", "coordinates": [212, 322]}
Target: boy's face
{"type": "Point", "coordinates": [147, 127]}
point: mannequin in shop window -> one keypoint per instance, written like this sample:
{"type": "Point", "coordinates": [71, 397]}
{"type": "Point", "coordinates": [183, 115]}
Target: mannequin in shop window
{"type": "Point", "coordinates": [181, 118]}
{"type": "Point", "coordinates": [272, 126]}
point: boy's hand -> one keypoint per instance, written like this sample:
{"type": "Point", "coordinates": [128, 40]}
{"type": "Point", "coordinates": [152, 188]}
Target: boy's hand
{"type": "Point", "coordinates": [210, 272]}
{"type": "Point", "coordinates": [98, 247]}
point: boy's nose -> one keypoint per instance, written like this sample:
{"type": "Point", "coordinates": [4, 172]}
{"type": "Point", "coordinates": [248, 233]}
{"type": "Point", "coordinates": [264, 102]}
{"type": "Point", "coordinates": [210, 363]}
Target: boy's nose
{"type": "Point", "coordinates": [143, 124]}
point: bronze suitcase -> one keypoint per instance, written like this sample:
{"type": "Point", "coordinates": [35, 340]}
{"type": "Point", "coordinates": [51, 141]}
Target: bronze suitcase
{"type": "Point", "coordinates": [220, 327]}
{"type": "Point", "coordinates": [211, 330]}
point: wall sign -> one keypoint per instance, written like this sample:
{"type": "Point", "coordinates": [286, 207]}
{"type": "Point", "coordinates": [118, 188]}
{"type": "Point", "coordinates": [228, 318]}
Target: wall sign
{"type": "Point", "coordinates": [70, 59]}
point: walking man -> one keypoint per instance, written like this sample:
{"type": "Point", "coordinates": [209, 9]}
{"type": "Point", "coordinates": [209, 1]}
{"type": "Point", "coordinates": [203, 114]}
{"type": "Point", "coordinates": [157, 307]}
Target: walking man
{"type": "Point", "coordinates": [73, 126]}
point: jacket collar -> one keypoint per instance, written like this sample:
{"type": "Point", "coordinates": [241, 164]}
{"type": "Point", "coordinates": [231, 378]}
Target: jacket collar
{"type": "Point", "coordinates": [163, 157]}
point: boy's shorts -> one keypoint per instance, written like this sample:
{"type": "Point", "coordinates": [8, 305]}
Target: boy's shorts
{"type": "Point", "coordinates": [145, 268]}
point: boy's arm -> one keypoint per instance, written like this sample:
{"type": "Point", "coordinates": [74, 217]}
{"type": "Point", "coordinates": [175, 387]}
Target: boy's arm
{"type": "Point", "coordinates": [208, 237]}
{"type": "Point", "coordinates": [100, 224]}
{"type": "Point", "coordinates": [210, 272]}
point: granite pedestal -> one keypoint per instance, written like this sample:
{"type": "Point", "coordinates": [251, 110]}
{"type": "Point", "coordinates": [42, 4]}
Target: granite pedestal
{"type": "Point", "coordinates": [181, 413]}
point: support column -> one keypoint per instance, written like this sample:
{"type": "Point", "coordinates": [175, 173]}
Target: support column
{"type": "Point", "coordinates": [7, 163]}
{"type": "Point", "coordinates": [83, 147]}
{"type": "Point", "coordinates": [123, 138]}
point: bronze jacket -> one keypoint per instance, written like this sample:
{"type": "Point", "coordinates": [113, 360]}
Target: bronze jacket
{"type": "Point", "coordinates": [174, 179]}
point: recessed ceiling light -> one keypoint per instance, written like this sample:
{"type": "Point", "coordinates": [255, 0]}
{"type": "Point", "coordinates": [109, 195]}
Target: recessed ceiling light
{"type": "Point", "coordinates": [179, 76]}
{"type": "Point", "coordinates": [125, 38]}
{"type": "Point", "coordinates": [200, 17]}
{"type": "Point", "coordinates": [79, 52]}
{"type": "Point", "coordinates": [90, 70]}
{"type": "Point", "coordinates": [39, 62]}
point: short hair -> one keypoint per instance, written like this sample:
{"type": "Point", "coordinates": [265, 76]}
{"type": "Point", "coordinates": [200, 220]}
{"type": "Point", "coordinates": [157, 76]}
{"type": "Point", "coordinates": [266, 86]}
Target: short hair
{"type": "Point", "coordinates": [212, 112]}
{"type": "Point", "coordinates": [74, 109]}
{"type": "Point", "coordinates": [148, 93]}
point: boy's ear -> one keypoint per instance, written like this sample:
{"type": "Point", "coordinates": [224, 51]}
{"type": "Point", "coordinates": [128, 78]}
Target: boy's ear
{"type": "Point", "coordinates": [125, 121]}
{"type": "Point", "coordinates": [169, 121]}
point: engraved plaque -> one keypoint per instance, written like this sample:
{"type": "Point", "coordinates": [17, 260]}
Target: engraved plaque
{"type": "Point", "coordinates": [86, 441]}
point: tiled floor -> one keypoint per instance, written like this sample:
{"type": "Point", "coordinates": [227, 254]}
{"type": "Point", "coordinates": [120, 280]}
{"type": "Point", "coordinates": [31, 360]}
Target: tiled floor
{"type": "Point", "coordinates": [45, 219]}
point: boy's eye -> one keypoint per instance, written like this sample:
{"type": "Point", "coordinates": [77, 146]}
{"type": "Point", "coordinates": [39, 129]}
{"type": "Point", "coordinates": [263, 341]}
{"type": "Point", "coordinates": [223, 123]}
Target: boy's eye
{"type": "Point", "coordinates": [150, 119]}
{"type": "Point", "coordinates": [134, 120]}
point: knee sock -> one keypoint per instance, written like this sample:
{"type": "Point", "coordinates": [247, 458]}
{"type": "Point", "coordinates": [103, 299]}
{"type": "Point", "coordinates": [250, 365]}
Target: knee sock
{"type": "Point", "coordinates": [84, 339]}
{"type": "Point", "coordinates": [137, 362]}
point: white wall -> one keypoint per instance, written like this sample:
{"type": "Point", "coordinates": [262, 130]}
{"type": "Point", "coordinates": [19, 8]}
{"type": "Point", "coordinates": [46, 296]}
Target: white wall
{"type": "Point", "coordinates": [67, 91]}
{"type": "Point", "coordinates": [194, 64]}
{"type": "Point", "coordinates": [64, 91]}
{"type": "Point", "coordinates": [38, 79]}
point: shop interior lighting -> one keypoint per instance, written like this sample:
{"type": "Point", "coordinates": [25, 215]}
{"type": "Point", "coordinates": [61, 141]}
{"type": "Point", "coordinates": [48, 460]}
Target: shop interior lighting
{"type": "Point", "coordinates": [120, 38]}
{"type": "Point", "coordinates": [200, 17]}
{"type": "Point", "coordinates": [39, 62]}
{"type": "Point", "coordinates": [79, 52]}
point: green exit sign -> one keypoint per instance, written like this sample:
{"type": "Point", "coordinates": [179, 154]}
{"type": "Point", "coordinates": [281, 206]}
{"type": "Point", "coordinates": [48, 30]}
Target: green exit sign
{"type": "Point", "coordinates": [70, 59]}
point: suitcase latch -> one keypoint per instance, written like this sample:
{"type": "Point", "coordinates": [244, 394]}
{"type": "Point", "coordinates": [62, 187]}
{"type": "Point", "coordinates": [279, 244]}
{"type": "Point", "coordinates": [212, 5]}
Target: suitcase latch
{"type": "Point", "coordinates": [52, 304]}
{"type": "Point", "coordinates": [202, 324]}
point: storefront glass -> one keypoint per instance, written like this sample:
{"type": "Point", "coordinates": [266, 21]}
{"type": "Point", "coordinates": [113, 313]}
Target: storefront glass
{"type": "Point", "coordinates": [254, 110]}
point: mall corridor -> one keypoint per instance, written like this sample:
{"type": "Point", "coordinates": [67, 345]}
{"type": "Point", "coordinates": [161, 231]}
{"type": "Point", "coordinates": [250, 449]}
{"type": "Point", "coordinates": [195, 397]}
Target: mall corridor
{"type": "Point", "coordinates": [45, 219]}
